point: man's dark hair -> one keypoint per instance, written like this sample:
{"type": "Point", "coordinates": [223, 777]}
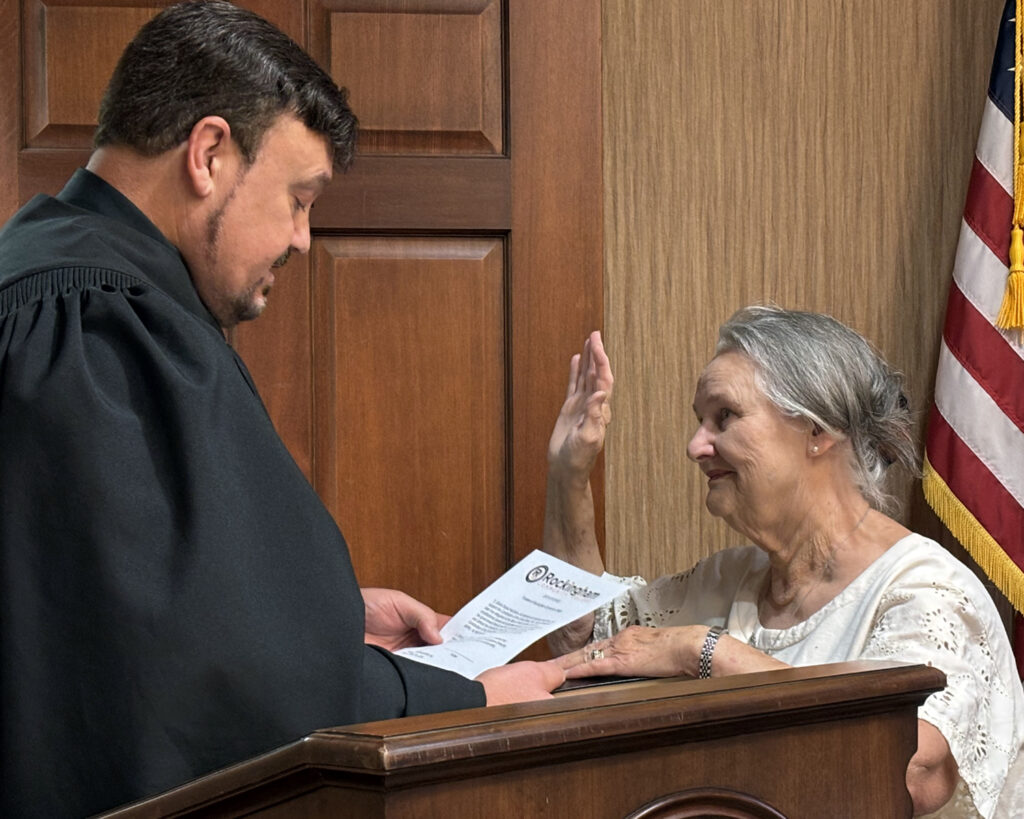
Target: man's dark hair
{"type": "Point", "coordinates": [211, 58]}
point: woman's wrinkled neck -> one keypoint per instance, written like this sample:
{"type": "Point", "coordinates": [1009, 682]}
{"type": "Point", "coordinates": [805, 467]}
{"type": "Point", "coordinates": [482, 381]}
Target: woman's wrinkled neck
{"type": "Point", "coordinates": [815, 555]}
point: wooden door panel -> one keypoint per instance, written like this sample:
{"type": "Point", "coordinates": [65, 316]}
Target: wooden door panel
{"type": "Point", "coordinates": [425, 77]}
{"type": "Point", "coordinates": [70, 53]}
{"type": "Point", "coordinates": [418, 193]}
{"type": "Point", "coordinates": [70, 48]}
{"type": "Point", "coordinates": [409, 384]}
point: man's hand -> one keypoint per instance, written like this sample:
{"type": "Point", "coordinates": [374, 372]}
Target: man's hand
{"type": "Point", "coordinates": [521, 682]}
{"type": "Point", "coordinates": [395, 620]}
{"type": "Point", "coordinates": [578, 436]}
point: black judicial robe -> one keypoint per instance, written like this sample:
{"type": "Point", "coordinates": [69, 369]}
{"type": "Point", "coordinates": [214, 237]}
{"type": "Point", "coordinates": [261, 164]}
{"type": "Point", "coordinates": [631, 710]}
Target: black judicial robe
{"type": "Point", "coordinates": [175, 597]}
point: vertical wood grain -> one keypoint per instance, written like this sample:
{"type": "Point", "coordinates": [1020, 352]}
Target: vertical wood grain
{"type": "Point", "coordinates": [10, 109]}
{"type": "Point", "coordinates": [814, 153]}
{"type": "Point", "coordinates": [556, 250]}
{"type": "Point", "coordinates": [409, 395]}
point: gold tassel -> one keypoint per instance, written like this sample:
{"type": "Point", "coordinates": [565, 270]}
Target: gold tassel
{"type": "Point", "coordinates": [1011, 313]}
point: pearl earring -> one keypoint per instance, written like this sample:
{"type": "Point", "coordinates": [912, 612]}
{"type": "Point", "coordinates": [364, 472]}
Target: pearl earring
{"type": "Point", "coordinates": [814, 449]}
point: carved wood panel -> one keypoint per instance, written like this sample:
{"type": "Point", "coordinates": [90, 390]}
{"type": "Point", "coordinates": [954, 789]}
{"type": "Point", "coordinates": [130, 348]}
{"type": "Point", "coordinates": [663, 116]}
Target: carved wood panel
{"type": "Point", "coordinates": [70, 48]}
{"type": "Point", "coordinates": [707, 803]}
{"type": "Point", "coordinates": [409, 383]}
{"type": "Point", "coordinates": [425, 75]}
{"type": "Point", "coordinates": [70, 53]}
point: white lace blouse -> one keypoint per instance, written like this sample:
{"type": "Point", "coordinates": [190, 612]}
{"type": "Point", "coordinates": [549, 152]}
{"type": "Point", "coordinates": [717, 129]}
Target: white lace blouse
{"type": "Point", "coordinates": [916, 603]}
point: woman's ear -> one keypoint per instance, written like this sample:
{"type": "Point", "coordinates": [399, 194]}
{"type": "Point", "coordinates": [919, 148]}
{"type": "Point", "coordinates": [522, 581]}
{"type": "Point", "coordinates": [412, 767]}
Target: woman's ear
{"type": "Point", "coordinates": [818, 443]}
{"type": "Point", "coordinates": [209, 154]}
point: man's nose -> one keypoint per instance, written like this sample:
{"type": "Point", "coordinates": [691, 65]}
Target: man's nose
{"type": "Point", "coordinates": [300, 238]}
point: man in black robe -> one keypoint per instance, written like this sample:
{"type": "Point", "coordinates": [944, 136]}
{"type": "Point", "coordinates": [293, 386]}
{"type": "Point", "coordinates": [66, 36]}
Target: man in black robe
{"type": "Point", "coordinates": [175, 597]}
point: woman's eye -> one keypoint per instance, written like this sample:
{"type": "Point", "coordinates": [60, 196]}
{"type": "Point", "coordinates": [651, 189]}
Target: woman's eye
{"type": "Point", "coordinates": [723, 415]}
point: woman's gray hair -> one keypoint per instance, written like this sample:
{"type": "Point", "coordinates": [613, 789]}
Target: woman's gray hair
{"type": "Point", "coordinates": [811, 366]}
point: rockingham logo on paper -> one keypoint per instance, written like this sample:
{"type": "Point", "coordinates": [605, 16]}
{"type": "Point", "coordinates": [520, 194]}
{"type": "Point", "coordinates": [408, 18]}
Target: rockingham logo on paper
{"type": "Point", "coordinates": [530, 600]}
{"type": "Point", "coordinates": [548, 578]}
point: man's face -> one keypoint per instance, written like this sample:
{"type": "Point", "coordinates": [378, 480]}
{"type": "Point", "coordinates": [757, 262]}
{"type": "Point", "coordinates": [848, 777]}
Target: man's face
{"type": "Point", "coordinates": [261, 217]}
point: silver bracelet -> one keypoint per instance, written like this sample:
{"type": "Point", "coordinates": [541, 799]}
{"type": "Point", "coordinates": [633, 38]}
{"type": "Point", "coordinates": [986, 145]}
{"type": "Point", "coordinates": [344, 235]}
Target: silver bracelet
{"type": "Point", "coordinates": [704, 664]}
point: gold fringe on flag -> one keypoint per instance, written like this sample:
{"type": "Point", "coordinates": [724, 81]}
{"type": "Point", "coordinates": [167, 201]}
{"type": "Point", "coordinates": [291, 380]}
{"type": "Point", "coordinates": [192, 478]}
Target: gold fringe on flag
{"type": "Point", "coordinates": [989, 555]}
{"type": "Point", "coordinates": [1011, 313]}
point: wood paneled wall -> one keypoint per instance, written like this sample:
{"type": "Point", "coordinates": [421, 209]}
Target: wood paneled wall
{"type": "Point", "coordinates": [814, 153]}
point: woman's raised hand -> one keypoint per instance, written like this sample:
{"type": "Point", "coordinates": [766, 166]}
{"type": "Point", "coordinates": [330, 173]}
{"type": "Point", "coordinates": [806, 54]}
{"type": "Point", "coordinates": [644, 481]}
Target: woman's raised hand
{"type": "Point", "coordinates": [578, 436]}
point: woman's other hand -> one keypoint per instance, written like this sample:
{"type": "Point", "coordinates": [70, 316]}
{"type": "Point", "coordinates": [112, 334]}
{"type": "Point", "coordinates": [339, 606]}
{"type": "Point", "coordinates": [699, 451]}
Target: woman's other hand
{"type": "Point", "coordinates": [673, 651]}
{"type": "Point", "coordinates": [639, 651]}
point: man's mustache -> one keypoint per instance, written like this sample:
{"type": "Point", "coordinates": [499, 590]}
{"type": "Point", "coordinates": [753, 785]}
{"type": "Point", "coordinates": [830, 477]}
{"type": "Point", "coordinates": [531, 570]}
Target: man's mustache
{"type": "Point", "coordinates": [282, 260]}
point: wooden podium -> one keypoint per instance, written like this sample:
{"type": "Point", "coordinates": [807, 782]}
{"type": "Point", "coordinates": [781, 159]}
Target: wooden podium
{"type": "Point", "coordinates": [803, 743]}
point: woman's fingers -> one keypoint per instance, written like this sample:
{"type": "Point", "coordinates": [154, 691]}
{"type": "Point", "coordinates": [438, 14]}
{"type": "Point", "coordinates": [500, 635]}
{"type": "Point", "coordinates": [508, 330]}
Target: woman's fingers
{"type": "Point", "coordinates": [637, 650]}
{"type": "Point", "coordinates": [593, 660]}
{"type": "Point", "coordinates": [574, 371]}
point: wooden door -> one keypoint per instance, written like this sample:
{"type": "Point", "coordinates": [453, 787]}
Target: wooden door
{"type": "Point", "coordinates": [414, 360]}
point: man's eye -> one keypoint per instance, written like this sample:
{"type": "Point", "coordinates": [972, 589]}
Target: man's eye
{"type": "Point", "coordinates": [723, 415]}
{"type": "Point", "coordinates": [299, 205]}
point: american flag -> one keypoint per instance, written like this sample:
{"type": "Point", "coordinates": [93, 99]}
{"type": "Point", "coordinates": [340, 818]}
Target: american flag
{"type": "Point", "coordinates": [974, 453]}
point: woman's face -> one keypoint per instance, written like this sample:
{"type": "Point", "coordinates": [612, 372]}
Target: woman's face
{"type": "Point", "coordinates": [754, 457]}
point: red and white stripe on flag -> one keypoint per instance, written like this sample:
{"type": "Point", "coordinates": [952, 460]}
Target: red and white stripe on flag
{"type": "Point", "coordinates": [974, 452]}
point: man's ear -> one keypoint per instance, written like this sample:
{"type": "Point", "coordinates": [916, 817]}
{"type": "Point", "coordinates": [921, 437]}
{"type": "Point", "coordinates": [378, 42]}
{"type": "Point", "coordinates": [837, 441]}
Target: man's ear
{"type": "Point", "coordinates": [209, 153]}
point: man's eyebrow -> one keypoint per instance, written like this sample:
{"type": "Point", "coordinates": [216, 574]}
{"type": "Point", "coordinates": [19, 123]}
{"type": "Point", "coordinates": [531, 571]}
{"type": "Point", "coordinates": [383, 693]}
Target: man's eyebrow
{"type": "Point", "coordinates": [315, 183]}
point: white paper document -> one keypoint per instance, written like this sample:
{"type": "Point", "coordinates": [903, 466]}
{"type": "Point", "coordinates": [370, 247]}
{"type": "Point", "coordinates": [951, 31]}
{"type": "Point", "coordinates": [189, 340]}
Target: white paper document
{"type": "Point", "coordinates": [535, 597]}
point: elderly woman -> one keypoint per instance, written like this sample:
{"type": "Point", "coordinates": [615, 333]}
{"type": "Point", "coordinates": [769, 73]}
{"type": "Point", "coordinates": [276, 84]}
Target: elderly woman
{"type": "Point", "coordinates": [798, 420]}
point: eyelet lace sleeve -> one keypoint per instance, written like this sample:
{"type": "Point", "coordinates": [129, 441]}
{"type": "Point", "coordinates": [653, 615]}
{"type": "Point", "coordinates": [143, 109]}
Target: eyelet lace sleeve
{"type": "Point", "coordinates": [701, 594]}
{"type": "Point", "coordinates": [621, 612]}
